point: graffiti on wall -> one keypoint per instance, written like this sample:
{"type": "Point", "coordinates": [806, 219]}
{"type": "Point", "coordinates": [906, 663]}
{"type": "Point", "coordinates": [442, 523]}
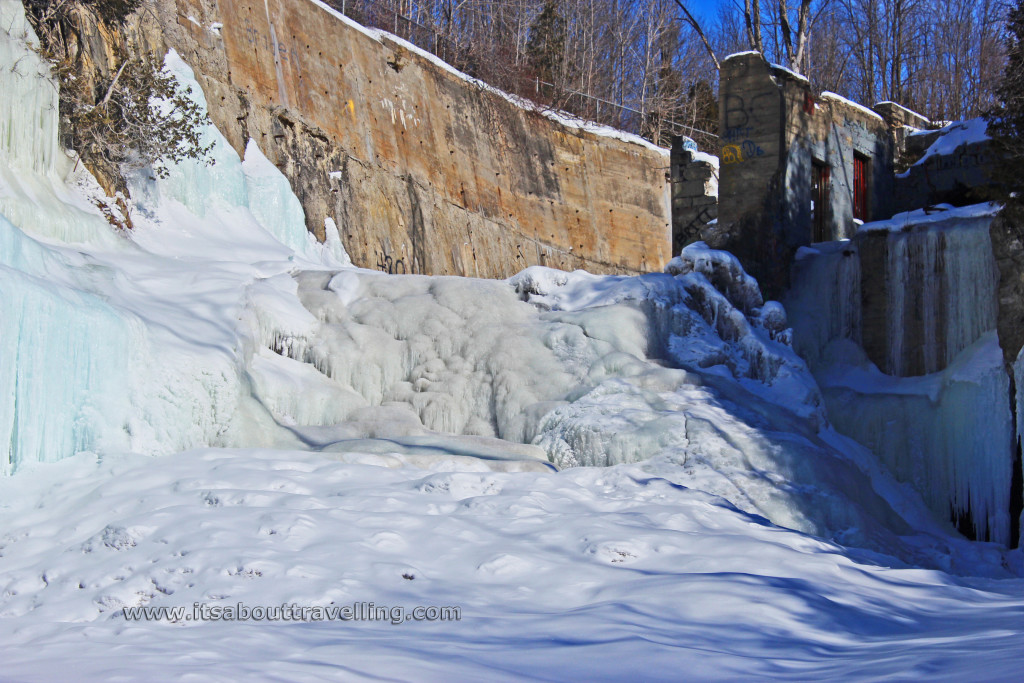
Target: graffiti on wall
{"type": "Point", "coordinates": [388, 264]}
{"type": "Point", "coordinates": [745, 151]}
{"type": "Point", "coordinates": [741, 112]}
{"type": "Point", "coordinates": [745, 119]}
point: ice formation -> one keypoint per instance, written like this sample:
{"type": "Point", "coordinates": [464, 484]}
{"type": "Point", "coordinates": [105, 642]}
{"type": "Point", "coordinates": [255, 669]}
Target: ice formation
{"type": "Point", "coordinates": [949, 433]}
{"type": "Point", "coordinates": [217, 321]}
{"type": "Point", "coordinates": [121, 343]}
{"type": "Point", "coordinates": [824, 303]}
{"type": "Point", "coordinates": [953, 297]}
{"type": "Point", "coordinates": [590, 370]}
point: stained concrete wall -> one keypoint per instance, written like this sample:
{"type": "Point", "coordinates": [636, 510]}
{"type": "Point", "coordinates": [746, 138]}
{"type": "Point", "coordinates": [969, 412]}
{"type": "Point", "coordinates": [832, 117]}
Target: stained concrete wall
{"type": "Point", "coordinates": [422, 171]}
{"type": "Point", "coordinates": [773, 129]}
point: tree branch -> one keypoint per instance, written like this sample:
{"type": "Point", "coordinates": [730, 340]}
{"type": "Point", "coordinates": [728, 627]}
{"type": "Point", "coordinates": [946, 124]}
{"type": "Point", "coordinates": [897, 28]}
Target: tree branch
{"type": "Point", "coordinates": [695, 25]}
{"type": "Point", "coordinates": [803, 32]}
{"type": "Point", "coordinates": [113, 84]}
{"type": "Point", "coordinates": [787, 32]}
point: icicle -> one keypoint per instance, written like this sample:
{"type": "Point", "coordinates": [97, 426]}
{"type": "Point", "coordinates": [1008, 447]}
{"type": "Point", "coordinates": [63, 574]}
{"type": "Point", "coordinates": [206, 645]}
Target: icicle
{"type": "Point", "coordinates": [941, 281]}
{"type": "Point", "coordinates": [949, 434]}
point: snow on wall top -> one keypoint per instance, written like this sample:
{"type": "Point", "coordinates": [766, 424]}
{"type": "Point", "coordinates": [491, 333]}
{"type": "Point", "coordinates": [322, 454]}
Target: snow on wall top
{"type": "Point", "coordinates": [831, 96]}
{"type": "Point", "coordinates": [933, 216]}
{"type": "Point", "coordinates": [901, 107]}
{"type": "Point", "coordinates": [786, 70]}
{"type": "Point", "coordinates": [741, 54]}
{"type": "Point", "coordinates": [706, 158]}
{"type": "Point", "coordinates": [956, 135]}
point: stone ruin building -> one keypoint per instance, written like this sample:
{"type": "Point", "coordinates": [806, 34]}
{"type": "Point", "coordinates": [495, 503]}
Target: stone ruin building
{"type": "Point", "coordinates": [904, 289]}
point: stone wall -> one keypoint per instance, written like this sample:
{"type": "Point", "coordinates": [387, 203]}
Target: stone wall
{"type": "Point", "coordinates": [774, 129]}
{"type": "Point", "coordinates": [903, 125]}
{"type": "Point", "coordinates": [751, 120]}
{"type": "Point", "coordinates": [422, 171]}
{"type": "Point", "coordinates": [959, 175]}
{"type": "Point", "coordinates": [845, 129]}
{"type": "Point", "coordinates": [694, 195]}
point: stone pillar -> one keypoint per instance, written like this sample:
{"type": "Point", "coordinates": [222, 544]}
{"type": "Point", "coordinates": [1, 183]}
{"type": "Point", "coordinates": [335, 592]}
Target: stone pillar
{"type": "Point", "coordinates": [694, 193]}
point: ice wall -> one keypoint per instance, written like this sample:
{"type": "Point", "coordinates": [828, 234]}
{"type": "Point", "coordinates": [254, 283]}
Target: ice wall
{"type": "Point", "coordinates": [915, 295]}
{"type": "Point", "coordinates": [251, 189]}
{"type": "Point", "coordinates": [28, 136]}
{"type": "Point", "coordinates": [824, 302]}
{"type": "Point", "coordinates": [939, 295]}
{"type": "Point", "coordinates": [32, 164]}
{"type": "Point", "coordinates": [131, 340]}
{"type": "Point", "coordinates": [62, 380]}
{"type": "Point", "coordinates": [62, 352]}
{"type": "Point", "coordinates": [950, 434]}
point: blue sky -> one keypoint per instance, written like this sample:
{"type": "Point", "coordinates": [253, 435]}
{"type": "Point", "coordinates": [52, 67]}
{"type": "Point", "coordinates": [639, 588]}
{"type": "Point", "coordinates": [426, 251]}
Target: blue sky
{"type": "Point", "coordinates": [704, 9]}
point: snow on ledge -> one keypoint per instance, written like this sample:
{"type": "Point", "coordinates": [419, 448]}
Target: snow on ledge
{"type": "Point", "coordinates": [902, 108]}
{"type": "Point", "coordinates": [831, 96]}
{"type": "Point", "coordinates": [932, 216]}
{"type": "Point", "coordinates": [790, 72]}
{"type": "Point", "coordinates": [956, 135]}
{"type": "Point", "coordinates": [742, 54]}
{"type": "Point", "coordinates": [563, 118]}
{"type": "Point", "coordinates": [706, 158]}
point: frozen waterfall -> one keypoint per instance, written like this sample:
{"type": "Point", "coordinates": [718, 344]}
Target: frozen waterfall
{"type": "Point", "coordinates": [916, 295]}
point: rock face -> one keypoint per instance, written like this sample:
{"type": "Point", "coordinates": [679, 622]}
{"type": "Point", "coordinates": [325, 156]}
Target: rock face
{"type": "Point", "coordinates": [422, 171]}
{"type": "Point", "coordinates": [1007, 232]}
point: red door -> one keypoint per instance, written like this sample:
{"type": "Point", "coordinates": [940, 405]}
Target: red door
{"type": "Point", "coordinates": [860, 187]}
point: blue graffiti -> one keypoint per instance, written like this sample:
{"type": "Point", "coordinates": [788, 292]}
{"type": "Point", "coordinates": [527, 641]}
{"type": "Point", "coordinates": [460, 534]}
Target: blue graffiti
{"type": "Point", "coordinates": [751, 150]}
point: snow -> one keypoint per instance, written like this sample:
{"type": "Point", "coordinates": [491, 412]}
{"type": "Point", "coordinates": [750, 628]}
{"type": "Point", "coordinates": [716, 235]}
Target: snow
{"type": "Point", "coordinates": [903, 108]}
{"type": "Point", "coordinates": [563, 118]}
{"type": "Point", "coordinates": [741, 54]}
{"type": "Point", "coordinates": [588, 573]}
{"type": "Point", "coordinates": [955, 136]}
{"type": "Point", "coordinates": [941, 213]}
{"type": "Point", "coordinates": [831, 96]}
{"type": "Point", "coordinates": [212, 408]}
{"type": "Point", "coordinates": [790, 72]}
{"type": "Point", "coordinates": [705, 157]}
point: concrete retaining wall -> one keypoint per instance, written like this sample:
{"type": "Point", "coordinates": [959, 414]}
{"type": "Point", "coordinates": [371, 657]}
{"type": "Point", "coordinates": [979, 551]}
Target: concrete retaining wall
{"type": "Point", "coordinates": [422, 171]}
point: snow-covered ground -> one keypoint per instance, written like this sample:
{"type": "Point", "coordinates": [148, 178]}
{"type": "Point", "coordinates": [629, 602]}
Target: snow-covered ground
{"type": "Point", "coordinates": [611, 477]}
{"type": "Point", "coordinates": [588, 574]}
